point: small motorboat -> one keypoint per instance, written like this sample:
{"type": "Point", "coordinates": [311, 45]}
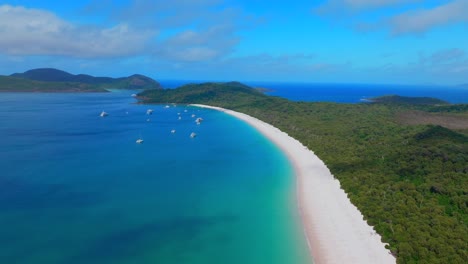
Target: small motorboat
{"type": "Point", "coordinates": [193, 135]}
{"type": "Point", "coordinates": [149, 111]}
{"type": "Point", "coordinates": [103, 114]}
{"type": "Point", "coordinates": [173, 131]}
{"type": "Point", "coordinates": [139, 141]}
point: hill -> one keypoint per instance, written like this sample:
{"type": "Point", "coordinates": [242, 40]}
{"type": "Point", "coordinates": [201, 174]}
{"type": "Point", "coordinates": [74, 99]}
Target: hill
{"type": "Point", "coordinates": [54, 80]}
{"type": "Point", "coordinates": [408, 180]}
{"type": "Point", "coordinates": [212, 93]}
{"type": "Point", "coordinates": [396, 99]}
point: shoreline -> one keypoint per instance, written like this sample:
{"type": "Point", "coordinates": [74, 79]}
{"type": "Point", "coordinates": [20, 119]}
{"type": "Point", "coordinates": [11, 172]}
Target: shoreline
{"type": "Point", "coordinates": [334, 228]}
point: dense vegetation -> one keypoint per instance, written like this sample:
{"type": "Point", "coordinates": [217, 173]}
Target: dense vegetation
{"type": "Point", "coordinates": [409, 181]}
{"type": "Point", "coordinates": [396, 99]}
{"type": "Point", "coordinates": [14, 84]}
{"type": "Point", "coordinates": [53, 80]}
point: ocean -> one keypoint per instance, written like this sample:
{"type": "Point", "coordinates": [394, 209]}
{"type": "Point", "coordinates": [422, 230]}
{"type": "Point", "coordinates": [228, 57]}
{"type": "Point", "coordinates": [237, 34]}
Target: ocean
{"type": "Point", "coordinates": [76, 187]}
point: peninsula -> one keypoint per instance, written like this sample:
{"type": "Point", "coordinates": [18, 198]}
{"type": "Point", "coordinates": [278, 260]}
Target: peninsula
{"type": "Point", "coordinates": [408, 179]}
{"type": "Point", "coordinates": [54, 80]}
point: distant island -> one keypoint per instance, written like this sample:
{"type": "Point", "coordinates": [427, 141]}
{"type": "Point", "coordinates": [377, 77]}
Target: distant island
{"type": "Point", "coordinates": [54, 80]}
{"type": "Point", "coordinates": [401, 161]}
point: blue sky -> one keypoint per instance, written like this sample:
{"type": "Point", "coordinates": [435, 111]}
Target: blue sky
{"type": "Point", "coordinates": [337, 41]}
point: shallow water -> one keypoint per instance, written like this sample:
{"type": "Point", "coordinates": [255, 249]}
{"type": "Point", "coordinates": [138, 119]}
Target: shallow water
{"type": "Point", "coordinates": [76, 188]}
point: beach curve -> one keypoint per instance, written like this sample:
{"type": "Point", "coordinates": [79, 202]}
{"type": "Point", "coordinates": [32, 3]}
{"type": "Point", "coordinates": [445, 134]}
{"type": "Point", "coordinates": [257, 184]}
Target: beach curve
{"type": "Point", "coordinates": [334, 227]}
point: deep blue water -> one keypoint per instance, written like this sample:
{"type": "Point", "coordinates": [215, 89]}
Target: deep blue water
{"type": "Point", "coordinates": [349, 93]}
{"type": "Point", "coordinates": [76, 188]}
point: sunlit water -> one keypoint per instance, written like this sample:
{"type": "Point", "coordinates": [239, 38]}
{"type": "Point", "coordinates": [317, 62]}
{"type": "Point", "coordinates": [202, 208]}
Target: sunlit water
{"type": "Point", "coordinates": [76, 188]}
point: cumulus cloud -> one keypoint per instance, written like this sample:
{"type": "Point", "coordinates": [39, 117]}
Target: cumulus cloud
{"type": "Point", "coordinates": [448, 66]}
{"type": "Point", "coordinates": [184, 30]}
{"type": "Point", "coordinates": [425, 19]}
{"type": "Point", "coordinates": [38, 32]}
{"type": "Point", "coordinates": [190, 45]}
{"type": "Point", "coordinates": [333, 6]}
{"type": "Point", "coordinates": [417, 19]}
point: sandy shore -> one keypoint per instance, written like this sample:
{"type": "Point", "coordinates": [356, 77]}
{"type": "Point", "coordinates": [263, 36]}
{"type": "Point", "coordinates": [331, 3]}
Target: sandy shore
{"type": "Point", "coordinates": [334, 227]}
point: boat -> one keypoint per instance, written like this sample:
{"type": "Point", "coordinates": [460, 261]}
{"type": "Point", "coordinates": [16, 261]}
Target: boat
{"type": "Point", "coordinates": [139, 141]}
{"type": "Point", "coordinates": [199, 120]}
{"type": "Point", "coordinates": [193, 115]}
{"type": "Point", "coordinates": [173, 131]}
{"type": "Point", "coordinates": [166, 106]}
{"type": "Point", "coordinates": [134, 95]}
{"type": "Point", "coordinates": [180, 117]}
{"type": "Point", "coordinates": [149, 111]}
{"type": "Point", "coordinates": [103, 114]}
{"type": "Point", "coordinates": [193, 135]}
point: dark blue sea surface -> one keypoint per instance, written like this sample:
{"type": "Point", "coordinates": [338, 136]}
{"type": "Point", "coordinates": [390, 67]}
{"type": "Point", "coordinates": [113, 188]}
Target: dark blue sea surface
{"type": "Point", "coordinates": [349, 93]}
{"type": "Point", "coordinates": [77, 188]}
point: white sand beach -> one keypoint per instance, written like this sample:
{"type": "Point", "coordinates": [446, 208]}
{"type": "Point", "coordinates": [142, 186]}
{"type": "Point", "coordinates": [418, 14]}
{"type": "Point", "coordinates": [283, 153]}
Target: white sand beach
{"type": "Point", "coordinates": [334, 227]}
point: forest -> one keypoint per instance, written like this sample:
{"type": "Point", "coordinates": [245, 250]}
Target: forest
{"type": "Point", "coordinates": [409, 179]}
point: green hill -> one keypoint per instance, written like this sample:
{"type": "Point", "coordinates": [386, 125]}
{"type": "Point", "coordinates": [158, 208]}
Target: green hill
{"type": "Point", "coordinates": [396, 99]}
{"type": "Point", "coordinates": [53, 80]}
{"type": "Point", "coordinates": [14, 84]}
{"type": "Point", "coordinates": [211, 93]}
{"type": "Point", "coordinates": [409, 180]}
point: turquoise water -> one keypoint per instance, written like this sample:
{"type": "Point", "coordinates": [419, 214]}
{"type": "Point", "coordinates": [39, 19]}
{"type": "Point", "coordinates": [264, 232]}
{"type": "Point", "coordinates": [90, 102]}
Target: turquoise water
{"type": "Point", "coordinates": [76, 188]}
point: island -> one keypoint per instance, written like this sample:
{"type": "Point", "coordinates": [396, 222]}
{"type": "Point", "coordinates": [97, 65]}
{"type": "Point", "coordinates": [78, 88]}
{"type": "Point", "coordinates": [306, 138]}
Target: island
{"type": "Point", "coordinates": [54, 80]}
{"type": "Point", "coordinates": [402, 162]}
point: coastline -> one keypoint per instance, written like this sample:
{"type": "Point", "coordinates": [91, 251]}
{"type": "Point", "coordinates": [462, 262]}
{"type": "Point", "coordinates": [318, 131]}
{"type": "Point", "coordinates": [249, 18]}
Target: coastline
{"type": "Point", "coordinates": [334, 227]}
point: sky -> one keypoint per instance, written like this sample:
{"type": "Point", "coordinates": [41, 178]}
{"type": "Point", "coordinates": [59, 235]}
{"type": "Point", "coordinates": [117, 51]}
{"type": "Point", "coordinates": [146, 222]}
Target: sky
{"type": "Point", "coordinates": [322, 41]}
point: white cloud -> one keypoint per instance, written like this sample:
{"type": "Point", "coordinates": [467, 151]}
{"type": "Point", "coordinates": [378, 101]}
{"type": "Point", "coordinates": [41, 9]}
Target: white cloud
{"type": "Point", "coordinates": [374, 3]}
{"type": "Point", "coordinates": [184, 30]}
{"type": "Point", "coordinates": [418, 18]}
{"type": "Point", "coordinates": [425, 19]}
{"type": "Point", "coordinates": [189, 45]}
{"type": "Point", "coordinates": [345, 6]}
{"type": "Point", "coordinates": [38, 32]}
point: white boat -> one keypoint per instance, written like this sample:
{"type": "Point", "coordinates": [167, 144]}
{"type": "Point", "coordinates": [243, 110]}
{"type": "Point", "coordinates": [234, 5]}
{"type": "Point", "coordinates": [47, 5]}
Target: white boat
{"type": "Point", "coordinates": [193, 135]}
{"type": "Point", "coordinates": [134, 95]}
{"type": "Point", "coordinates": [103, 114]}
{"type": "Point", "coordinates": [149, 111]}
{"type": "Point", "coordinates": [199, 120]}
{"type": "Point", "coordinates": [166, 106]}
{"type": "Point", "coordinates": [173, 131]}
{"type": "Point", "coordinates": [193, 115]}
{"type": "Point", "coordinates": [139, 141]}
{"type": "Point", "coordinates": [180, 117]}
{"type": "Point", "coordinates": [185, 111]}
